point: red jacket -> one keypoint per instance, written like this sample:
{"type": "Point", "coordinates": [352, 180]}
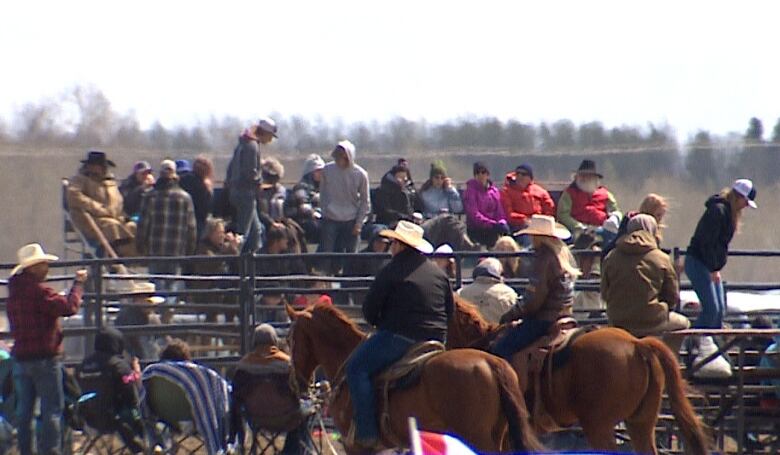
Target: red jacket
{"type": "Point", "coordinates": [590, 209]}
{"type": "Point", "coordinates": [34, 312]}
{"type": "Point", "coordinates": [520, 205]}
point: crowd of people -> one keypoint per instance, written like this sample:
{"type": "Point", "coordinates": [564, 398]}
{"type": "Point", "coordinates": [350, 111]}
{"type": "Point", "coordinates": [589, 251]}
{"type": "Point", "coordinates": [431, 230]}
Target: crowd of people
{"type": "Point", "coordinates": [410, 300]}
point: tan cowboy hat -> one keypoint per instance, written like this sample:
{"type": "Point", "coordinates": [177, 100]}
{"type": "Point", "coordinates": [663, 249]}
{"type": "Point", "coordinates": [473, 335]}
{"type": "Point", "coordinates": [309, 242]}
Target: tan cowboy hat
{"type": "Point", "coordinates": [147, 289]}
{"type": "Point", "coordinates": [409, 234]}
{"type": "Point", "coordinates": [31, 254]}
{"type": "Point", "coordinates": [545, 225]}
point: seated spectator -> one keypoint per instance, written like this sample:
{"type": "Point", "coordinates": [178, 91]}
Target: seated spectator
{"type": "Point", "coordinates": [653, 205]}
{"type": "Point", "coordinates": [485, 217]}
{"type": "Point", "coordinates": [135, 186]}
{"type": "Point", "coordinates": [141, 311]}
{"type": "Point", "coordinates": [488, 292]}
{"type": "Point", "coordinates": [272, 193]}
{"type": "Point", "coordinates": [115, 378]}
{"type": "Point", "coordinates": [771, 359]}
{"type": "Point", "coordinates": [94, 201]}
{"type": "Point", "coordinates": [590, 268]}
{"type": "Point", "coordinates": [512, 267]}
{"type": "Point", "coordinates": [392, 200]}
{"type": "Point", "coordinates": [447, 264]}
{"type": "Point", "coordinates": [276, 242]}
{"type": "Point", "coordinates": [307, 300]}
{"type": "Point", "coordinates": [639, 283]}
{"type": "Point", "coordinates": [303, 202]}
{"type": "Point", "coordinates": [588, 205]}
{"type": "Point", "coordinates": [199, 184]}
{"type": "Point", "coordinates": [438, 195]}
{"type": "Point", "coordinates": [215, 242]}
{"type": "Point", "coordinates": [522, 198]}
{"type": "Point", "coordinates": [410, 187]}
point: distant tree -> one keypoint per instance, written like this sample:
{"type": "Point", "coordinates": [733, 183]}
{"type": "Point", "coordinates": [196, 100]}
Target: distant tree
{"type": "Point", "coordinates": [776, 132]}
{"type": "Point", "coordinates": [592, 135]}
{"type": "Point", "coordinates": [159, 137]}
{"type": "Point", "coordinates": [755, 131]}
{"type": "Point", "coordinates": [519, 135]}
{"type": "Point", "coordinates": [546, 137]}
{"type": "Point", "coordinates": [700, 162]}
{"type": "Point", "coordinates": [564, 134]}
{"type": "Point", "coordinates": [39, 122]}
{"type": "Point", "coordinates": [490, 132]}
{"type": "Point", "coordinates": [97, 120]}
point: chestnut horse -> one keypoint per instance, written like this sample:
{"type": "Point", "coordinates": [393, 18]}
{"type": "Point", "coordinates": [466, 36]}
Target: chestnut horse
{"type": "Point", "coordinates": [610, 377]}
{"type": "Point", "coordinates": [466, 392]}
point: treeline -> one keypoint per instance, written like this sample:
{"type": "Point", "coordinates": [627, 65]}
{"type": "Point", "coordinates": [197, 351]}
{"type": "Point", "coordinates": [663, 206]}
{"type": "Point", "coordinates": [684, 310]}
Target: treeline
{"type": "Point", "coordinates": [85, 117]}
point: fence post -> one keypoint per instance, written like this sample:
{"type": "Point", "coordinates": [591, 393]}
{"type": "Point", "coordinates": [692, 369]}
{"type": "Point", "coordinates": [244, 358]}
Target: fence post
{"type": "Point", "coordinates": [250, 292]}
{"type": "Point", "coordinates": [97, 282]}
{"type": "Point", "coordinates": [243, 302]}
{"type": "Point", "coordinates": [458, 271]}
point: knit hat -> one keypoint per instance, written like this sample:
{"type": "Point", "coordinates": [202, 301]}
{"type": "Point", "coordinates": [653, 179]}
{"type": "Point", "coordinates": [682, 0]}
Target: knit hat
{"type": "Point", "coordinates": [642, 222]}
{"type": "Point", "coordinates": [479, 166]}
{"type": "Point", "coordinates": [527, 168]}
{"type": "Point", "coordinates": [437, 168]}
{"type": "Point", "coordinates": [490, 267]}
{"type": "Point", "coordinates": [265, 335]}
{"type": "Point", "coordinates": [312, 163]}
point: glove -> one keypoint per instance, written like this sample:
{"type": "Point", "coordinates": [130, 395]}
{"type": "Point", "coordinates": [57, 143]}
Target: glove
{"type": "Point", "coordinates": [612, 224]}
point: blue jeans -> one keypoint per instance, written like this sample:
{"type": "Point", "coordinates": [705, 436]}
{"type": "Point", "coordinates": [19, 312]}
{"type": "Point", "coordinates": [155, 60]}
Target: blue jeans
{"type": "Point", "coordinates": [39, 379]}
{"type": "Point", "coordinates": [520, 337]}
{"type": "Point", "coordinates": [711, 296]}
{"type": "Point", "coordinates": [337, 237]}
{"type": "Point", "coordinates": [247, 221]}
{"type": "Point", "coordinates": [372, 356]}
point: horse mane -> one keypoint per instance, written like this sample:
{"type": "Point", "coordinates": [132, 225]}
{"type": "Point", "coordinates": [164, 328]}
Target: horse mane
{"type": "Point", "coordinates": [334, 320]}
{"type": "Point", "coordinates": [468, 313]}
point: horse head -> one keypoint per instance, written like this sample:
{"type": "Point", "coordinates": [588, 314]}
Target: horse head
{"type": "Point", "coordinates": [467, 326]}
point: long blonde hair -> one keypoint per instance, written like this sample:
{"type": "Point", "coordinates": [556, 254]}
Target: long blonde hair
{"type": "Point", "coordinates": [650, 205]}
{"type": "Point", "coordinates": [508, 244]}
{"type": "Point", "coordinates": [563, 253]}
{"type": "Point", "coordinates": [730, 195]}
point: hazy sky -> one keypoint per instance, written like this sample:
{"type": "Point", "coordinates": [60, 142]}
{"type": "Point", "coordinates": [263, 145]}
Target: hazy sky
{"type": "Point", "coordinates": [692, 64]}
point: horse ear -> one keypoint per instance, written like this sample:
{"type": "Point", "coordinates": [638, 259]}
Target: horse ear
{"type": "Point", "coordinates": [290, 312]}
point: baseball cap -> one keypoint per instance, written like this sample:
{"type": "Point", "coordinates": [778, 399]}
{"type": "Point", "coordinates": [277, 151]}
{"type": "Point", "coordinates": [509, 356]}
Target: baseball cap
{"type": "Point", "coordinates": [746, 189]}
{"type": "Point", "coordinates": [168, 166]}
{"type": "Point", "coordinates": [141, 166]}
{"type": "Point", "coordinates": [268, 125]}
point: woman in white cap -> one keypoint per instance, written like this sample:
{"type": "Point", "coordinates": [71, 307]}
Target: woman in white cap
{"type": "Point", "coordinates": [409, 301]}
{"type": "Point", "coordinates": [550, 293]}
{"type": "Point", "coordinates": [708, 252]}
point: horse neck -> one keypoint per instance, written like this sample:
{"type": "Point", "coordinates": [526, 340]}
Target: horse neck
{"type": "Point", "coordinates": [333, 351]}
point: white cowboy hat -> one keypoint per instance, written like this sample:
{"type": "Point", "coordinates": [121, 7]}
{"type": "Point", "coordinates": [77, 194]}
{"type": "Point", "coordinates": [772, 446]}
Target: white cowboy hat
{"type": "Point", "coordinates": [31, 254]}
{"type": "Point", "coordinates": [545, 225]}
{"type": "Point", "coordinates": [409, 234]}
{"type": "Point", "coordinates": [143, 288]}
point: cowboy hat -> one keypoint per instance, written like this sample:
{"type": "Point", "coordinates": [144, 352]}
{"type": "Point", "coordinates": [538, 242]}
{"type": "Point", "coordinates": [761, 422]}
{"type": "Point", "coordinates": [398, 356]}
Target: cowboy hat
{"type": "Point", "coordinates": [409, 234]}
{"type": "Point", "coordinates": [97, 157]}
{"type": "Point", "coordinates": [147, 289]}
{"type": "Point", "coordinates": [31, 254]}
{"type": "Point", "coordinates": [546, 226]}
{"type": "Point", "coordinates": [588, 167]}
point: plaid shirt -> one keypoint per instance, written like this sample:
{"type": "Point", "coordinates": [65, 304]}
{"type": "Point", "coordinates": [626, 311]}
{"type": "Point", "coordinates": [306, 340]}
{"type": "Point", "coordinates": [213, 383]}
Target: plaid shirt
{"type": "Point", "coordinates": [167, 226]}
{"type": "Point", "coordinates": [34, 312]}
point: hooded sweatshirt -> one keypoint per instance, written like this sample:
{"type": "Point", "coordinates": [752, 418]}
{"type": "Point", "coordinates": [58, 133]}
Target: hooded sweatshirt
{"type": "Point", "coordinates": [638, 283]}
{"type": "Point", "coordinates": [344, 193]}
{"type": "Point", "coordinates": [243, 171]}
{"type": "Point", "coordinates": [108, 373]}
{"type": "Point", "coordinates": [483, 205]}
{"type": "Point", "coordinates": [710, 241]}
{"type": "Point", "coordinates": [392, 201]}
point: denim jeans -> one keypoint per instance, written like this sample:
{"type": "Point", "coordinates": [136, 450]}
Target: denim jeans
{"type": "Point", "coordinates": [372, 356]}
{"type": "Point", "coordinates": [39, 379]}
{"type": "Point", "coordinates": [520, 337]}
{"type": "Point", "coordinates": [711, 296]}
{"type": "Point", "coordinates": [337, 237]}
{"type": "Point", "coordinates": [247, 221]}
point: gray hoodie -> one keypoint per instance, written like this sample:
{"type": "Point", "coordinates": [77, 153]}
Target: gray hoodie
{"type": "Point", "coordinates": [344, 193]}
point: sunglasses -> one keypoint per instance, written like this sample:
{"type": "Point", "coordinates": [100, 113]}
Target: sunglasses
{"type": "Point", "coordinates": [483, 171]}
{"type": "Point", "coordinates": [523, 174]}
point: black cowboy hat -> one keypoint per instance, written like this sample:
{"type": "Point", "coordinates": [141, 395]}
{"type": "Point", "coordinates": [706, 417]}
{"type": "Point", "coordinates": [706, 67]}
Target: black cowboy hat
{"type": "Point", "coordinates": [96, 157]}
{"type": "Point", "coordinates": [588, 167]}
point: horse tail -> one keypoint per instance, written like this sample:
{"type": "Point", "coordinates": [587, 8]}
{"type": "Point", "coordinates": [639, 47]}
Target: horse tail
{"type": "Point", "coordinates": [513, 405]}
{"type": "Point", "coordinates": [693, 430]}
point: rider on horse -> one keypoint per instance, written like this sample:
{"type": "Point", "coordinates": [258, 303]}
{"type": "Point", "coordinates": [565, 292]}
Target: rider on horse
{"type": "Point", "coordinates": [550, 294]}
{"type": "Point", "coordinates": [410, 301]}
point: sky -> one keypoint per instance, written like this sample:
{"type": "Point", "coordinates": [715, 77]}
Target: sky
{"type": "Point", "coordinates": [693, 64]}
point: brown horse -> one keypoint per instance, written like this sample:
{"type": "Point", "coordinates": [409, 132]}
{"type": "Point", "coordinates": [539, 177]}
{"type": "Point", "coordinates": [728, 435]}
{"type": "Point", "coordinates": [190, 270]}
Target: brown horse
{"type": "Point", "coordinates": [610, 377]}
{"type": "Point", "coordinates": [466, 392]}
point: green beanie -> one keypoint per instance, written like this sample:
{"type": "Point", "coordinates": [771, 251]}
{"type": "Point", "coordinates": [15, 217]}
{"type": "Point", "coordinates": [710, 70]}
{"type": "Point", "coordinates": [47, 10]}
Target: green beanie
{"type": "Point", "coordinates": [438, 168]}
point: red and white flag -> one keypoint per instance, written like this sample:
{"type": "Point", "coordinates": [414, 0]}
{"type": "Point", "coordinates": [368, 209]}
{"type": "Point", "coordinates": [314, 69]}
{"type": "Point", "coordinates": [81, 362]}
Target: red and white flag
{"type": "Point", "coordinates": [427, 443]}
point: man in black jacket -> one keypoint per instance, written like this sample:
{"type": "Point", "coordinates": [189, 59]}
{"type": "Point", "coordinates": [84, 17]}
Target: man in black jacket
{"type": "Point", "coordinates": [410, 301]}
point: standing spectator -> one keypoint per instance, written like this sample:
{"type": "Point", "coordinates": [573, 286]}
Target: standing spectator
{"type": "Point", "coordinates": [523, 198]}
{"type": "Point", "coordinates": [199, 184]}
{"type": "Point", "coordinates": [272, 193]}
{"type": "Point", "coordinates": [392, 200]}
{"type": "Point", "coordinates": [708, 252]}
{"type": "Point", "coordinates": [484, 214]}
{"type": "Point", "coordinates": [243, 178]}
{"type": "Point", "coordinates": [303, 203]}
{"type": "Point", "coordinates": [215, 242]}
{"type": "Point", "coordinates": [183, 167]}
{"type": "Point", "coordinates": [135, 186]}
{"type": "Point", "coordinates": [345, 202]}
{"type": "Point", "coordinates": [34, 312]}
{"type": "Point", "coordinates": [438, 195]}
{"type": "Point", "coordinates": [588, 205]}
{"type": "Point", "coordinates": [167, 226]}
{"type": "Point", "coordinates": [488, 292]}
{"type": "Point", "coordinates": [94, 200]}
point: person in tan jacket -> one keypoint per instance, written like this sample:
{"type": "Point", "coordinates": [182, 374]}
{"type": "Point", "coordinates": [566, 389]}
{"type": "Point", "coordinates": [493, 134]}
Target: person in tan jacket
{"type": "Point", "coordinates": [93, 193]}
{"type": "Point", "coordinates": [488, 292]}
{"type": "Point", "coordinates": [639, 283]}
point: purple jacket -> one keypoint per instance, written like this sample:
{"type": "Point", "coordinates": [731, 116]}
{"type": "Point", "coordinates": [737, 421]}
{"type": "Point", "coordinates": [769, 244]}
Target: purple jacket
{"type": "Point", "coordinates": [482, 205]}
